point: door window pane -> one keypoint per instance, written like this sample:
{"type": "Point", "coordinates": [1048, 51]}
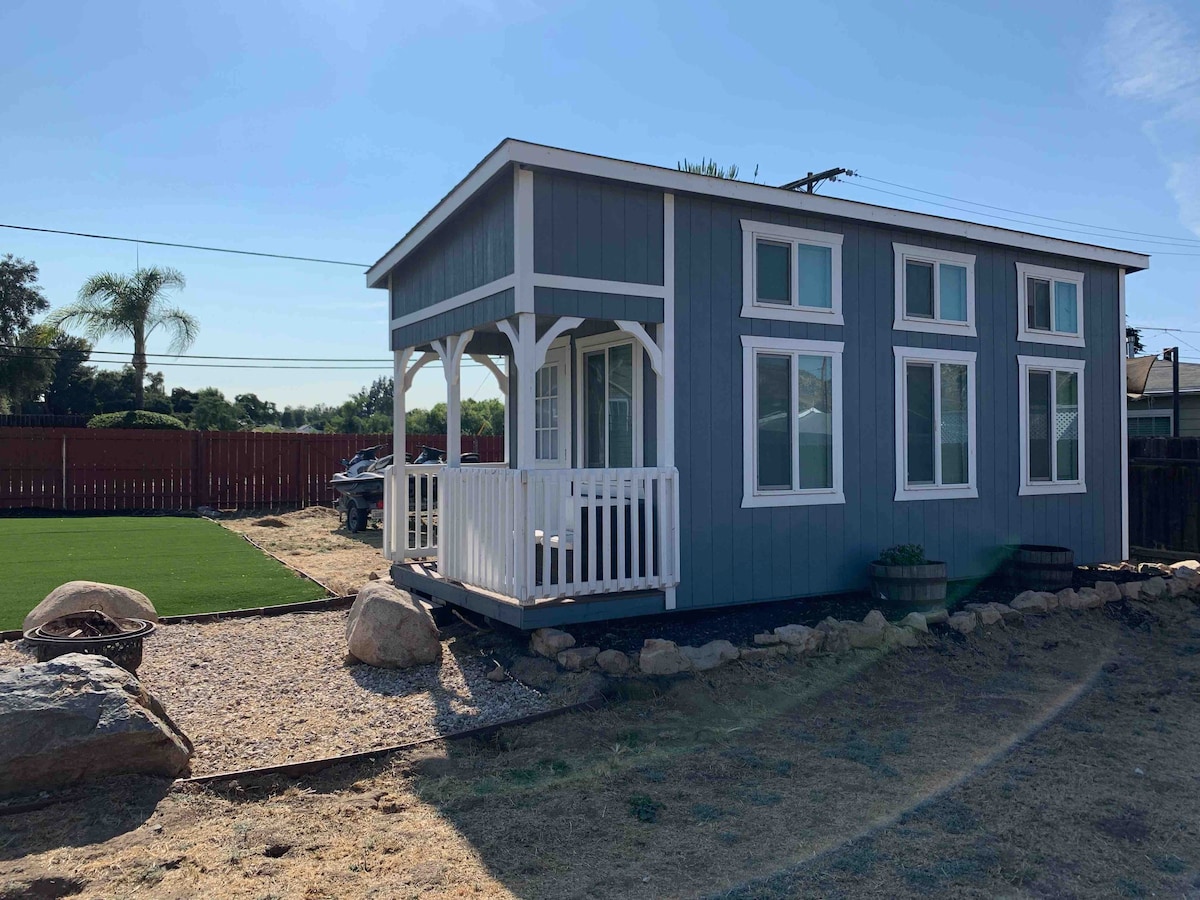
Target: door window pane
{"type": "Point", "coordinates": [954, 426]}
{"type": "Point", "coordinates": [620, 406]}
{"type": "Point", "coordinates": [595, 421]}
{"type": "Point", "coordinates": [1039, 426]}
{"type": "Point", "coordinates": [952, 280]}
{"type": "Point", "coordinates": [1037, 300]}
{"type": "Point", "coordinates": [1066, 425]}
{"type": "Point", "coordinates": [919, 379]}
{"type": "Point", "coordinates": [918, 289]}
{"type": "Point", "coordinates": [774, 279]}
{"type": "Point", "coordinates": [814, 266]}
{"type": "Point", "coordinates": [773, 422]}
{"type": "Point", "coordinates": [814, 420]}
{"type": "Point", "coordinates": [546, 412]}
{"type": "Point", "coordinates": [1066, 307]}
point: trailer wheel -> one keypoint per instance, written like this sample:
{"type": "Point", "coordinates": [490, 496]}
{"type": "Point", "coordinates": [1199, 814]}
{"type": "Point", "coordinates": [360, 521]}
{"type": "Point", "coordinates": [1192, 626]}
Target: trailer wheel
{"type": "Point", "coordinates": [356, 519]}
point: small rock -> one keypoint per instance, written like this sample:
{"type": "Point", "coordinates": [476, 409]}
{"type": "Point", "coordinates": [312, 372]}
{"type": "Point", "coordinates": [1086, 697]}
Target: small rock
{"type": "Point", "coordinates": [660, 657]}
{"type": "Point", "coordinates": [1109, 591]}
{"type": "Point", "coordinates": [1007, 613]}
{"type": "Point", "coordinates": [1089, 598]}
{"type": "Point", "coordinates": [549, 642]}
{"type": "Point", "coordinates": [962, 622]}
{"type": "Point", "coordinates": [987, 615]}
{"type": "Point", "coordinates": [895, 636]}
{"type": "Point", "coordinates": [709, 656]}
{"type": "Point", "coordinates": [374, 576]}
{"type": "Point", "coordinates": [766, 639]}
{"type": "Point", "coordinates": [576, 659]}
{"type": "Point", "coordinates": [755, 654]}
{"type": "Point", "coordinates": [936, 616]}
{"type": "Point", "coordinates": [801, 638]}
{"type": "Point", "coordinates": [875, 619]}
{"type": "Point", "coordinates": [1029, 602]}
{"type": "Point", "coordinates": [1178, 587]}
{"type": "Point", "coordinates": [1138, 772]}
{"type": "Point", "coordinates": [1131, 590]}
{"type": "Point", "coordinates": [864, 637]}
{"type": "Point", "coordinates": [836, 640]}
{"type": "Point", "coordinates": [613, 662]}
{"type": "Point", "coordinates": [1153, 587]}
{"type": "Point", "coordinates": [916, 621]}
{"type": "Point", "coordinates": [1068, 599]}
{"type": "Point", "coordinates": [497, 674]}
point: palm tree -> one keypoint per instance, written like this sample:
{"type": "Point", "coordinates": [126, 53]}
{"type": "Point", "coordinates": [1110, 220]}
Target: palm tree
{"type": "Point", "coordinates": [134, 305]}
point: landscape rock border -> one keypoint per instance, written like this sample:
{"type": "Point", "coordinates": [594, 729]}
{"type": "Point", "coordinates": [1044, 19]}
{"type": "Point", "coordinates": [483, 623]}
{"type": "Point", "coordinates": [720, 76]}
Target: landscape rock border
{"type": "Point", "coordinates": [660, 658]}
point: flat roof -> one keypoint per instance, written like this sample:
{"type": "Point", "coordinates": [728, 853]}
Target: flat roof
{"type": "Point", "coordinates": [523, 153]}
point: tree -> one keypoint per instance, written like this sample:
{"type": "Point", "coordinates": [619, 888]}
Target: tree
{"type": "Point", "coordinates": [135, 306]}
{"type": "Point", "coordinates": [255, 411]}
{"type": "Point", "coordinates": [710, 167]}
{"type": "Point", "coordinates": [1134, 336]}
{"type": "Point", "coordinates": [20, 297]}
{"type": "Point", "coordinates": [72, 387]}
{"type": "Point", "coordinates": [213, 412]}
{"type": "Point", "coordinates": [24, 372]}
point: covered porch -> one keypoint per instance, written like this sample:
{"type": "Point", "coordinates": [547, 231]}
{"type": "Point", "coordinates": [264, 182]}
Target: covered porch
{"type": "Point", "coordinates": [580, 521]}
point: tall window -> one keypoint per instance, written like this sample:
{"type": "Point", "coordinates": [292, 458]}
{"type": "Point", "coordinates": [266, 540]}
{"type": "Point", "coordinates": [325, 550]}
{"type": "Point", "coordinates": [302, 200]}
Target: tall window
{"type": "Point", "coordinates": [545, 419]}
{"type": "Point", "coordinates": [1052, 432]}
{"type": "Point", "coordinates": [792, 422]}
{"type": "Point", "coordinates": [1049, 305]}
{"type": "Point", "coordinates": [935, 424]}
{"type": "Point", "coordinates": [611, 405]}
{"type": "Point", "coordinates": [791, 273]}
{"type": "Point", "coordinates": [935, 290]}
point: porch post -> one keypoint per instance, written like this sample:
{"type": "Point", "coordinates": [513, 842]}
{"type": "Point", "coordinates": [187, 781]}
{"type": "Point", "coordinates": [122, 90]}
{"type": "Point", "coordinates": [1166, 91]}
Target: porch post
{"type": "Point", "coordinates": [525, 357]}
{"type": "Point", "coordinates": [395, 534]}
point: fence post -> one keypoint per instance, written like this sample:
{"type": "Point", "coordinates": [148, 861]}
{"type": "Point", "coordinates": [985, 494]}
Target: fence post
{"type": "Point", "coordinates": [63, 503]}
{"type": "Point", "coordinates": [199, 492]}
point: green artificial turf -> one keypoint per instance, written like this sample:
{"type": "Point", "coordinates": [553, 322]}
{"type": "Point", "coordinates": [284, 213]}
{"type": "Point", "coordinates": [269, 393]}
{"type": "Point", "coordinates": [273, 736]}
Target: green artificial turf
{"type": "Point", "coordinates": [182, 565]}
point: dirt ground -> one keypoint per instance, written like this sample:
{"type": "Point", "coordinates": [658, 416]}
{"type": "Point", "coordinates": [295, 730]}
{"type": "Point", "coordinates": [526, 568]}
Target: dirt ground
{"type": "Point", "coordinates": [1059, 758]}
{"type": "Point", "coordinates": [313, 541]}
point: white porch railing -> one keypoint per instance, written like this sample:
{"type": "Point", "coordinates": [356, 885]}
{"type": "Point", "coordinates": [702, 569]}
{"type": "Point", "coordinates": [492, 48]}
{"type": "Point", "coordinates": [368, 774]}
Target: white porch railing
{"type": "Point", "coordinates": [410, 511]}
{"type": "Point", "coordinates": [556, 533]}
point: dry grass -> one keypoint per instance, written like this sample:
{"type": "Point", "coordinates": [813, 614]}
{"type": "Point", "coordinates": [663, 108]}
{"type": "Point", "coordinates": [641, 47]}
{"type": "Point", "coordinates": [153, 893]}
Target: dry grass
{"type": "Point", "coordinates": [312, 540]}
{"type": "Point", "coordinates": [1005, 764]}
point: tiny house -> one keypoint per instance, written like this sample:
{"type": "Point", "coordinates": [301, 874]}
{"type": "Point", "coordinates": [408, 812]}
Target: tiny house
{"type": "Point", "coordinates": [721, 392]}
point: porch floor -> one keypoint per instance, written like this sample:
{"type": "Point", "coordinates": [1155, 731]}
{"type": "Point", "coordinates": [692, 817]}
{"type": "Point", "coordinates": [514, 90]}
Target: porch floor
{"type": "Point", "coordinates": [421, 577]}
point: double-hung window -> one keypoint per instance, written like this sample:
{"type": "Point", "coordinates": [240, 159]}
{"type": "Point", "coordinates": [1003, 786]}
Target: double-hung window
{"type": "Point", "coordinates": [935, 290]}
{"type": "Point", "coordinates": [792, 422]}
{"type": "Point", "coordinates": [1052, 426]}
{"type": "Point", "coordinates": [1049, 305]}
{"type": "Point", "coordinates": [791, 273]}
{"type": "Point", "coordinates": [935, 424]}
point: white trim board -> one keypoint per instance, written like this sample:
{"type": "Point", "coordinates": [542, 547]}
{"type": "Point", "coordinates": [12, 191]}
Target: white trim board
{"type": "Point", "coordinates": [937, 325]}
{"type": "Point", "coordinates": [1124, 420]}
{"type": "Point", "coordinates": [1053, 364]}
{"type": "Point", "coordinates": [511, 151]}
{"type": "Point", "coordinates": [905, 491]}
{"type": "Point", "coordinates": [753, 308]}
{"type": "Point", "coordinates": [1025, 334]}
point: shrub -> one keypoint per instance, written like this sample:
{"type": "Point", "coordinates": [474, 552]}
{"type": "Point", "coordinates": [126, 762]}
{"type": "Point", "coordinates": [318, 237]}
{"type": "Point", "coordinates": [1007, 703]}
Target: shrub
{"type": "Point", "coordinates": [138, 418]}
{"type": "Point", "coordinates": [903, 555]}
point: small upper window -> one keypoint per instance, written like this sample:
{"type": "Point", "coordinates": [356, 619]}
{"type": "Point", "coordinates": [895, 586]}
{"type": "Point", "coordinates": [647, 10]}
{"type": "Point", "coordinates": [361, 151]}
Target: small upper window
{"type": "Point", "coordinates": [935, 290]}
{"type": "Point", "coordinates": [1049, 305]}
{"type": "Point", "coordinates": [791, 273]}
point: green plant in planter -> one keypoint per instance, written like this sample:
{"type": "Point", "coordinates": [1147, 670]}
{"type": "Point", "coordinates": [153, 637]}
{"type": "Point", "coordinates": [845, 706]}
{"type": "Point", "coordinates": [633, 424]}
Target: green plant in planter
{"type": "Point", "coordinates": [904, 555]}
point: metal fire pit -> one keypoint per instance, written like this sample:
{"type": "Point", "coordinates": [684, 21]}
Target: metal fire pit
{"type": "Point", "coordinates": [92, 632]}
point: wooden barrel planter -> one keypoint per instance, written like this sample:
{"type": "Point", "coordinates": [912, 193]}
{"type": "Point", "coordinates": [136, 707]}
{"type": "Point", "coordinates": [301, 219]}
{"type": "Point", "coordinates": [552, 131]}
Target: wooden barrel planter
{"type": "Point", "coordinates": [919, 587]}
{"type": "Point", "coordinates": [1037, 567]}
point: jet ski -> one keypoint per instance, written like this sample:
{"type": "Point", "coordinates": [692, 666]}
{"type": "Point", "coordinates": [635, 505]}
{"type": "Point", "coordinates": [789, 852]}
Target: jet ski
{"type": "Point", "coordinates": [360, 486]}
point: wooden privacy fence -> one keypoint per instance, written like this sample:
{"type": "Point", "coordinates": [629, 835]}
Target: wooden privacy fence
{"type": "Point", "coordinates": [1164, 494]}
{"type": "Point", "coordinates": [80, 469]}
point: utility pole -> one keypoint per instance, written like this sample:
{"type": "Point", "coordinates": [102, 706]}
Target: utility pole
{"type": "Point", "coordinates": [810, 183]}
{"type": "Point", "coordinates": [1172, 353]}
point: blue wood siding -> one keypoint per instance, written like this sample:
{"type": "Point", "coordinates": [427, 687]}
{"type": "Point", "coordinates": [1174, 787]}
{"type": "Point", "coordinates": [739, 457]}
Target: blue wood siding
{"type": "Point", "coordinates": [733, 555]}
{"type": "Point", "coordinates": [472, 248]}
{"type": "Point", "coordinates": [595, 229]}
{"type": "Point", "coordinates": [592, 305]}
{"type": "Point", "coordinates": [455, 321]}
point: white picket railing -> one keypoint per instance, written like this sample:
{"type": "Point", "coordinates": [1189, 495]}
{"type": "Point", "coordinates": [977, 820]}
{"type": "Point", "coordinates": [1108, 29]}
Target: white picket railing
{"type": "Point", "coordinates": [552, 533]}
{"type": "Point", "coordinates": [410, 511]}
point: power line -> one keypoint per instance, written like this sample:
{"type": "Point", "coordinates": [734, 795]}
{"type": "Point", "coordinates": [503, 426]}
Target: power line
{"type": "Point", "coordinates": [1029, 214]}
{"type": "Point", "coordinates": [110, 237]}
{"type": "Point", "coordinates": [53, 353]}
{"type": "Point", "coordinates": [1158, 328]}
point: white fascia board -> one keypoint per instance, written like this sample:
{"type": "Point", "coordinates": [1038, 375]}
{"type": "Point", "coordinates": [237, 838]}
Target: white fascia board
{"type": "Point", "coordinates": [522, 153]}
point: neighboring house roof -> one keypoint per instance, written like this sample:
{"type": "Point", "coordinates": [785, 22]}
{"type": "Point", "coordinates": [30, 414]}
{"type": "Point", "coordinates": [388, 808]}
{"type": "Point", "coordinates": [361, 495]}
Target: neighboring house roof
{"type": "Point", "coordinates": [540, 156]}
{"type": "Point", "coordinates": [1159, 379]}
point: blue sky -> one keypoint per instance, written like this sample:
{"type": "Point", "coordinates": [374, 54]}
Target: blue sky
{"type": "Point", "coordinates": [327, 129]}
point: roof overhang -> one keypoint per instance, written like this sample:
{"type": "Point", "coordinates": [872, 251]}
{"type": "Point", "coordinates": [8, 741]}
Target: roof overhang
{"type": "Point", "coordinates": [511, 151]}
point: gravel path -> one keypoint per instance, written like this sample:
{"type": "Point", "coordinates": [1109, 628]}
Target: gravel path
{"type": "Point", "coordinates": [256, 692]}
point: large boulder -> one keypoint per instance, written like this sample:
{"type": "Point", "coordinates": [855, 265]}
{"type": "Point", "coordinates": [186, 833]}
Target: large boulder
{"type": "Point", "coordinates": [388, 628]}
{"type": "Point", "coordinates": [78, 717]}
{"type": "Point", "coordinates": [78, 596]}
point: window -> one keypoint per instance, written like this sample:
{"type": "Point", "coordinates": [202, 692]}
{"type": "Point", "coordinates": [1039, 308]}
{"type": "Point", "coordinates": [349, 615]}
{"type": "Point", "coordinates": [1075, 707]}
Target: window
{"type": "Point", "coordinates": [1052, 427]}
{"type": "Point", "coordinates": [1150, 423]}
{"type": "Point", "coordinates": [1049, 305]}
{"type": "Point", "coordinates": [611, 401]}
{"type": "Point", "coordinates": [791, 273]}
{"type": "Point", "coordinates": [792, 422]}
{"type": "Point", "coordinates": [935, 290]}
{"type": "Point", "coordinates": [935, 424]}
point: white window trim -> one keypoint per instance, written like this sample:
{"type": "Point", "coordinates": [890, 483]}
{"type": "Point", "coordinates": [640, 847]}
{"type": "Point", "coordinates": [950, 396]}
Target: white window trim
{"type": "Point", "coordinates": [904, 491]}
{"type": "Point", "coordinates": [559, 353]}
{"type": "Point", "coordinates": [592, 344]}
{"type": "Point", "coordinates": [904, 322]}
{"type": "Point", "coordinates": [1060, 338]}
{"type": "Point", "coordinates": [1050, 364]}
{"type": "Point", "coordinates": [752, 498]}
{"type": "Point", "coordinates": [752, 309]}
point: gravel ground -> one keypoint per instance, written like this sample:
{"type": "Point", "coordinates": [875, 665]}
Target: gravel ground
{"type": "Point", "coordinates": [257, 692]}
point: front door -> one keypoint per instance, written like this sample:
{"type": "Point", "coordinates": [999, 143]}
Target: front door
{"type": "Point", "coordinates": [610, 407]}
